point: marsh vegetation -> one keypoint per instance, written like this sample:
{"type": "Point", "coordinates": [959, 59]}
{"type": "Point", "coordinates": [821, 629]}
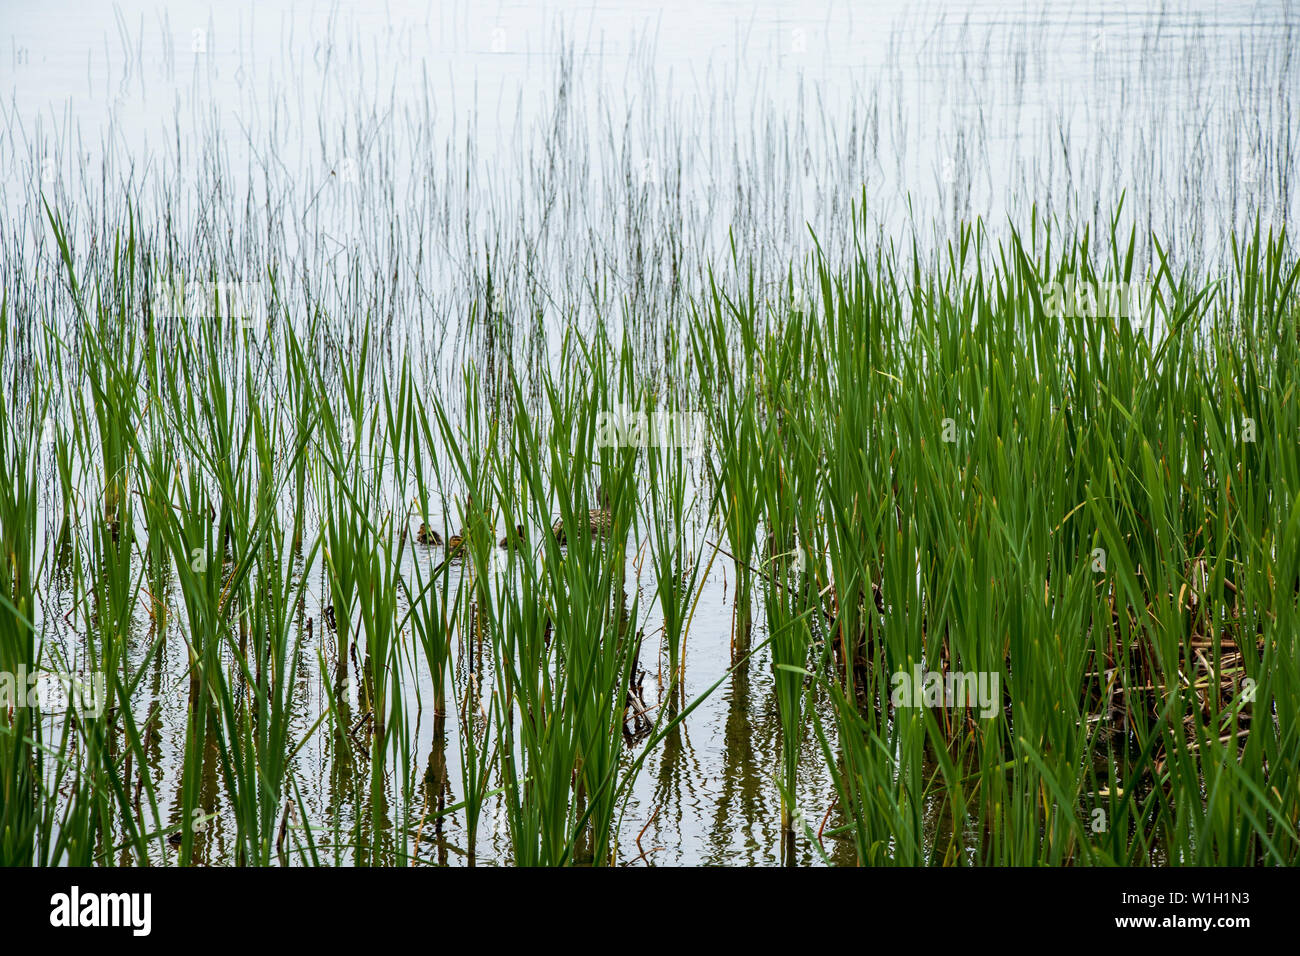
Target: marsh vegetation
{"type": "Point", "coordinates": [320, 549]}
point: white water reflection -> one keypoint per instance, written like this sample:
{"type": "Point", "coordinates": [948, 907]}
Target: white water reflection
{"type": "Point", "coordinates": [563, 132]}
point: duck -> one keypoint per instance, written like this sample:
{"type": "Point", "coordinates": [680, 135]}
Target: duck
{"type": "Point", "coordinates": [427, 535]}
{"type": "Point", "coordinates": [514, 537]}
{"type": "Point", "coordinates": [599, 520]}
{"type": "Point", "coordinates": [456, 541]}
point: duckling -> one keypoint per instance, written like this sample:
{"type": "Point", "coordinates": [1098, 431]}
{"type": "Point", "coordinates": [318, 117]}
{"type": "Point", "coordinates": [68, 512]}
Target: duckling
{"type": "Point", "coordinates": [513, 538]}
{"type": "Point", "coordinates": [456, 541]}
{"type": "Point", "coordinates": [599, 520]}
{"type": "Point", "coordinates": [427, 535]}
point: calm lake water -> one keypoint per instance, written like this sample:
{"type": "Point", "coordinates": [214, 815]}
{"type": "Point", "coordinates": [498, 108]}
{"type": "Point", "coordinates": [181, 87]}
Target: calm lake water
{"type": "Point", "coordinates": [958, 110]}
{"type": "Point", "coordinates": [599, 156]}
